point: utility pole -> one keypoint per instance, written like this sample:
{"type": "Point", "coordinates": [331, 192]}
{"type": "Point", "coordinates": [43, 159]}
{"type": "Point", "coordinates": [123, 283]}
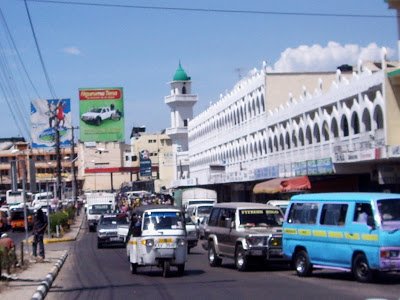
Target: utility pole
{"type": "Point", "coordinates": [74, 180]}
{"type": "Point", "coordinates": [58, 158]}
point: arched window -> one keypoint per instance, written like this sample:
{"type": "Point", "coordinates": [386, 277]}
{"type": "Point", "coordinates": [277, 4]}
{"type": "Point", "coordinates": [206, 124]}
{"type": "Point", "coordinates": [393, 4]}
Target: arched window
{"type": "Point", "coordinates": [276, 148]}
{"type": "Point", "coordinates": [355, 123]}
{"type": "Point", "coordinates": [270, 147]}
{"type": "Point", "coordinates": [344, 126]}
{"type": "Point", "coordinates": [317, 135]}
{"type": "Point", "coordinates": [301, 137]}
{"type": "Point", "coordinates": [294, 139]}
{"type": "Point", "coordinates": [281, 142]}
{"type": "Point", "coordinates": [287, 140]}
{"type": "Point", "coordinates": [325, 131]}
{"type": "Point", "coordinates": [308, 135]}
{"type": "Point", "coordinates": [378, 117]}
{"type": "Point", "coordinates": [334, 128]}
{"type": "Point", "coordinates": [262, 103]}
{"type": "Point", "coordinates": [184, 90]}
{"type": "Point", "coordinates": [366, 119]}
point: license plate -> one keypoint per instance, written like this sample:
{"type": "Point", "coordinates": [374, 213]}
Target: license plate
{"type": "Point", "coordinates": [165, 245]}
{"type": "Point", "coordinates": [114, 239]}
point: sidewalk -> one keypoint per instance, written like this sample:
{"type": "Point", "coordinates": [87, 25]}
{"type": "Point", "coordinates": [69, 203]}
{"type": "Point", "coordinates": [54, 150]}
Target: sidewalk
{"type": "Point", "coordinates": [34, 281]}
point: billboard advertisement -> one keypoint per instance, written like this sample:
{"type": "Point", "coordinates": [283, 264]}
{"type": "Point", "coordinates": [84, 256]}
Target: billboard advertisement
{"type": "Point", "coordinates": [145, 163]}
{"type": "Point", "coordinates": [47, 115]}
{"type": "Point", "coordinates": [101, 113]}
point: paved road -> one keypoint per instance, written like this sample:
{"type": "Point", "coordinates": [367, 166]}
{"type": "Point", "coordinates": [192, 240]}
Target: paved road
{"type": "Point", "coordinates": [91, 273]}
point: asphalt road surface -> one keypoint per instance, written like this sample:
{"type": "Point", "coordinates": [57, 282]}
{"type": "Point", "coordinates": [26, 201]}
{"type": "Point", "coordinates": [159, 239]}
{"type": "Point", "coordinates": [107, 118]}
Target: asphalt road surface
{"type": "Point", "coordinates": [91, 273]}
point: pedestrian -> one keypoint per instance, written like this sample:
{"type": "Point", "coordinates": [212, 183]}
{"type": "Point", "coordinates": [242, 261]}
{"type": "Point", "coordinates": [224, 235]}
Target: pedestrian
{"type": "Point", "coordinates": [39, 228]}
{"type": "Point", "coordinates": [7, 243]}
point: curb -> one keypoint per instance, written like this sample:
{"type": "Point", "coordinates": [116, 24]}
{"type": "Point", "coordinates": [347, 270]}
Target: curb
{"type": "Point", "coordinates": [45, 285]}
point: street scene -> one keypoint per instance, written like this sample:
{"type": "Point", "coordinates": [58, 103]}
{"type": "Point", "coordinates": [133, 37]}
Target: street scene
{"type": "Point", "coordinates": [221, 150]}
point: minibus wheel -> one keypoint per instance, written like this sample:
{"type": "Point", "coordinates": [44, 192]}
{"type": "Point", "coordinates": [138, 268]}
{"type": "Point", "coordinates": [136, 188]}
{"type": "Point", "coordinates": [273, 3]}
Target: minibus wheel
{"type": "Point", "coordinates": [302, 264]}
{"type": "Point", "coordinates": [361, 269]}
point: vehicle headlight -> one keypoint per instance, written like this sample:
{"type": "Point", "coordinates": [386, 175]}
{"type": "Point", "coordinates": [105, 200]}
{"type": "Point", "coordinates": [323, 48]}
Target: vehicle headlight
{"type": "Point", "coordinates": [181, 242]}
{"type": "Point", "coordinates": [255, 241]}
{"type": "Point", "coordinates": [275, 241]}
{"type": "Point", "coordinates": [149, 243]}
{"type": "Point", "coordinates": [102, 233]}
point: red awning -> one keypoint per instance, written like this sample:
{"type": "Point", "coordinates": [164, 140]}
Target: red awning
{"type": "Point", "coordinates": [281, 185]}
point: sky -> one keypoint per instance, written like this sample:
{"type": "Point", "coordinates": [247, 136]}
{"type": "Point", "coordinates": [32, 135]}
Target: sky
{"type": "Point", "coordinates": [130, 44]}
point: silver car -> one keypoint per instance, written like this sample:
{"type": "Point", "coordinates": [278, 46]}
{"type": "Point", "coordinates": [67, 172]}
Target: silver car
{"type": "Point", "coordinates": [107, 229]}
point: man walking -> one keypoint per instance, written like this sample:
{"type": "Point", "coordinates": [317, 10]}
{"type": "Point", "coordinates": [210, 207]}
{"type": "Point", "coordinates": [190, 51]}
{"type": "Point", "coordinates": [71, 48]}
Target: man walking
{"type": "Point", "coordinates": [39, 228]}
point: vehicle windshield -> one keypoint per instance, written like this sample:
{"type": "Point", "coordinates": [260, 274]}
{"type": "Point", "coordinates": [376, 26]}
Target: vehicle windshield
{"type": "Point", "coordinates": [162, 220]}
{"type": "Point", "coordinates": [260, 217]}
{"type": "Point", "coordinates": [96, 110]}
{"type": "Point", "coordinates": [114, 221]}
{"type": "Point", "coordinates": [204, 210]}
{"type": "Point", "coordinates": [99, 209]}
{"type": "Point", "coordinates": [389, 210]}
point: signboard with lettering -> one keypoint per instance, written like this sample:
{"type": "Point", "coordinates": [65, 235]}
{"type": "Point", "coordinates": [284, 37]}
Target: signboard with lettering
{"type": "Point", "coordinates": [101, 115]}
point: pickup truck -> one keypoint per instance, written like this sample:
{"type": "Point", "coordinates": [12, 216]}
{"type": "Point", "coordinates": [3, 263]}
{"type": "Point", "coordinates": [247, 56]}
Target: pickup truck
{"type": "Point", "coordinates": [97, 115]}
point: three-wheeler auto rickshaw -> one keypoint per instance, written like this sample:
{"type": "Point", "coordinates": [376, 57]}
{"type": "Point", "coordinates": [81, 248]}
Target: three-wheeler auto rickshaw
{"type": "Point", "coordinates": [157, 237]}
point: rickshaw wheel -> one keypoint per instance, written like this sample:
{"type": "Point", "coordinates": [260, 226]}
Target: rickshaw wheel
{"type": "Point", "coordinates": [181, 269]}
{"type": "Point", "coordinates": [165, 268]}
{"type": "Point", "coordinates": [133, 268]}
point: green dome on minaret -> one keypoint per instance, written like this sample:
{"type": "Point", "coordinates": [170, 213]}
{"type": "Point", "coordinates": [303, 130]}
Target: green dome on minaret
{"type": "Point", "coordinates": [180, 74]}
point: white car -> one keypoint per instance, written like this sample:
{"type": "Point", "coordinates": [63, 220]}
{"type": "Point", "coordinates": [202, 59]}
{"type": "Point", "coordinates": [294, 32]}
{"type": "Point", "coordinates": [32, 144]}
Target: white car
{"type": "Point", "coordinates": [97, 115]}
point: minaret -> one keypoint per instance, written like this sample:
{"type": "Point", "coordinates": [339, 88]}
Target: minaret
{"type": "Point", "coordinates": [180, 102]}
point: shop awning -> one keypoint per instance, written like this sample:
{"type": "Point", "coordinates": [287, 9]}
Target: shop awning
{"type": "Point", "coordinates": [281, 185]}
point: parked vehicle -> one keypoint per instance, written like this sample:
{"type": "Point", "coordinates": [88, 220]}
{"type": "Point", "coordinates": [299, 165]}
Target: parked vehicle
{"type": "Point", "coordinates": [357, 232]}
{"type": "Point", "coordinates": [191, 233]}
{"type": "Point", "coordinates": [98, 204]}
{"type": "Point", "coordinates": [17, 218]}
{"type": "Point", "coordinates": [242, 231]}
{"type": "Point", "coordinates": [107, 229]}
{"type": "Point", "coordinates": [14, 197]}
{"type": "Point", "coordinates": [198, 211]}
{"type": "Point", "coordinates": [160, 239]}
{"type": "Point", "coordinates": [198, 196]}
{"type": "Point", "coordinates": [203, 228]}
{"type": "Point", "coordinates": [4, 219]}
{"type": "Point", "coordinates": [282, 204]}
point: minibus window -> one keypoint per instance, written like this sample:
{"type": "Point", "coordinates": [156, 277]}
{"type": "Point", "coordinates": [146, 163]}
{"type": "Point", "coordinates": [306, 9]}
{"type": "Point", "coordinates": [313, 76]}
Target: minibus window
{"type": "Point", "coordinates": [333, 214]}
{"type": "Point", "coordinates": [362, 212]}
{"type": "Point", "coordinates": [303, 213]}
{"type": "Point", "coordinates": [389, 209]}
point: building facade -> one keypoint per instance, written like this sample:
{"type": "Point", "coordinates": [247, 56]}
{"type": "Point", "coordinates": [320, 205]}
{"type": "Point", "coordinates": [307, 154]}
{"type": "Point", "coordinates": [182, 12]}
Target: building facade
{"type": "Point", "coordinates": [322, 125]}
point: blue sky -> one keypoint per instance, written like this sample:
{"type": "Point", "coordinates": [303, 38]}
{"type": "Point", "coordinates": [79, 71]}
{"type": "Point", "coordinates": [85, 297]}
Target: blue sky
{"type": "Point", "coordinates": [139, 49]}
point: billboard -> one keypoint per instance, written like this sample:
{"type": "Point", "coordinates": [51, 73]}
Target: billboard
{"type": "Point", "coordinates": [145, 163]}
{"type": "Point", "coordinates": [101, 113]}
{"type": "Point", "coordinates": [47, 115]}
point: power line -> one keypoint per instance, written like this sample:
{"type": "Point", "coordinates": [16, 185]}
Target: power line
{"type": "Point", "coordinates": [18, 53]}
{"type": "Point", "coordinates": [51, 88]}
{"type": "Point", "coordinates": [211, 10]}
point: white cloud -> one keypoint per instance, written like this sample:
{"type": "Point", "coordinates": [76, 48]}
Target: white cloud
{"type": "Point", "coordinates": [72, 50]}
{"type": "Point", "coordinates": [318, 58]}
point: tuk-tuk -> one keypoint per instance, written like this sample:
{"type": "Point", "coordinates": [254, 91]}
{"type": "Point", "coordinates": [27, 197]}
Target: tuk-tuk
{"type": "Point", "coordinates": [17, 219]}
{"type": "Point", "coordinates": [157, 237]}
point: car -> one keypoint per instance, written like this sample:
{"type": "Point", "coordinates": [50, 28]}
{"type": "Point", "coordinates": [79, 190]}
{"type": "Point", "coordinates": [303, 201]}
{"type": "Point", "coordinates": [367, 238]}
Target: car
{"type": "Point", "coordinates": [244, 231]}
{"type": "Point", "coordinates": [97, 115]}
{"type": "Point", "coordinates": [198, 211]}
{"type": "Point", "coordinates": [202, 228]}
{"type": "Point", "coordinates": [282, 204]}
{"type": "Point", "coordinates": [107, 229]}
{"type": "Point", "coordinates": [191, 233]}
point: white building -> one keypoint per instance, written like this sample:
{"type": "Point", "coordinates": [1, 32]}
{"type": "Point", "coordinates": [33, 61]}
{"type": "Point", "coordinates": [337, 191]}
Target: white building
{"type": "Point", "coordinates": [317, 124]}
